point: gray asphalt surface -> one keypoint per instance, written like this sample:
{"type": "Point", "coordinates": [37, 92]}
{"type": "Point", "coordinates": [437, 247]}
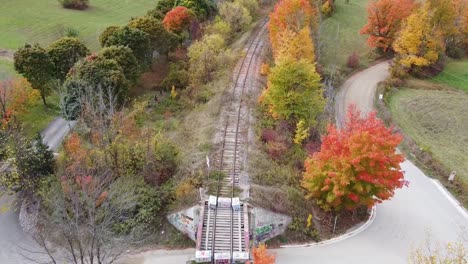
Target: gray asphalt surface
{"type": "Point", "coordinates": [423, 211]}
{"type": "Point", "coordinates": [54, 134]}
{"type": "Point", "coordinates": [12, 237]}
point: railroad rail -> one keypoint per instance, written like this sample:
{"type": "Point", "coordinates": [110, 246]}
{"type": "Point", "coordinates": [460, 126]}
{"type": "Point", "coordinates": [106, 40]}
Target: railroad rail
{"type": "Point", "coordinates": [223, 235]}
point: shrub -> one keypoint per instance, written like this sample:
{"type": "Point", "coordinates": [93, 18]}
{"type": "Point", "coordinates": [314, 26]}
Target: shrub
{"type": "Point", "coordinates": [250, 5]}
{"type": "Point", "coordinates": [222, 28]}
{"type": "Point", "coordinates": [75, 4]}
{"type": "Point", "coordinates": [327, 8]}
{"type": "Point", "coordinates": [206, 57]}
{"type": "Point", "coordinates": [162, 7]}
{"type": "Point", "coordinates": [269, 134]}
{"type": "Point", "coordinates": [235, 15]}
{"type": "Point", "coordinates": [353, 61]}
{"type": "Point", "coordinates": [276, 149]}
{"type": "Point", "coordinates": [178, 76]}
{"type": "Point", "coordinates": [201, 8]}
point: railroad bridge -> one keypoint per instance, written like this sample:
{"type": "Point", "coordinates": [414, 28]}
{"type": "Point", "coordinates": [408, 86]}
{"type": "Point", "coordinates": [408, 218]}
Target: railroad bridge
{"type": "Point", "coordinates": [223, 233]}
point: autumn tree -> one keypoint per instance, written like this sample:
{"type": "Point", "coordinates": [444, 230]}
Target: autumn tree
{"type": "Point", "coordinates": [177, 19]}
{"type": "Point", "coordinates": [34, 63]}
{"type": "Point", "coordinates": [295, 45]}
{"type": "Point", "coordinates": [261, 256]}
{"type": "Point", "coordinates": [294, 92]}
{"type": "Point", "coordinates": [419, 43]}
{"type": "Point", "coordinates": [384, 19]}
{"type": "Point", "coordinates": [16, 95]}
{"type": "Point", "coordinates": [104, 36]}
{"type": "Point", "coordinates": [293, 15]}
{"type": "Point", "coordinates": [356, 166]}
{"type": "Point", "coordinates": [64, 53]}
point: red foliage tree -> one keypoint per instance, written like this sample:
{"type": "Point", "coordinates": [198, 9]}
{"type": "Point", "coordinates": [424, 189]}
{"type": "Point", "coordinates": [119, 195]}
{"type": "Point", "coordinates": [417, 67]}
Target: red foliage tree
{"type": "Point", "coordinates": [356, 166]}
{"type": "Point", "coordinates": [177, 19]}
{"type": "Point", "coordinates": [384, 21]}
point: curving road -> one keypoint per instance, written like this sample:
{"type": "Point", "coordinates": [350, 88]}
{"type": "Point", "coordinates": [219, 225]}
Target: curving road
{"type": "Point", "coordinates": [416, 212]}
{"type": "Point", "coordinates": [12, 237]}
{"type": "Point", "coordinates": [400, 224]}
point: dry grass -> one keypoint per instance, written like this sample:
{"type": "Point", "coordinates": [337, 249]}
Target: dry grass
{"type": "Point", "coordinates": [437, 121]}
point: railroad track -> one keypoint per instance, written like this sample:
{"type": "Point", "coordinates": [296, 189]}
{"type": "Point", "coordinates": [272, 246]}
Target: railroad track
{"type": "Point", "coordinates": [224, 232]}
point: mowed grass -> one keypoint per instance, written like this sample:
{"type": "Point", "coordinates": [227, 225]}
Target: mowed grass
{"type": "Point", "coordinates": [38, 116]}
{"type": "Point", "coordinates": [44, 21]}
{"type": "Point", "coordinates": [6, 69]}
{"type": "Point", "coordinates": [340, 34]}
{"type": "Point", "coordinates": [455, 74]}
{"type": "Point", "coordinates": [438, 122]}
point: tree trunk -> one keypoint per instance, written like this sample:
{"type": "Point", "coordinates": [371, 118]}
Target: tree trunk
{"type": "Point", "coordinates": [43, 97]}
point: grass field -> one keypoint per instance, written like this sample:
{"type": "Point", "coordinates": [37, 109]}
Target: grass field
{"type": "Point", "coordinates": [340, 34]}
{"type": "Point", "coordinates": [44, 21]}
{"type": "Point", "coordinates": [438, 122]}
{"type": "Point", "coordinates": [6, 69]}
{"type": "Point", "coordinates": [455, 74]}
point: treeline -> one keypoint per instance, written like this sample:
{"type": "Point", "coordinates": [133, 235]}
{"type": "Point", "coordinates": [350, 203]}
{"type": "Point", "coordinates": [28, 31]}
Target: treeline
{"type": "Point", "coordinates": [418, 35]}
{"type": "Point", "coordinates": [113, 180]}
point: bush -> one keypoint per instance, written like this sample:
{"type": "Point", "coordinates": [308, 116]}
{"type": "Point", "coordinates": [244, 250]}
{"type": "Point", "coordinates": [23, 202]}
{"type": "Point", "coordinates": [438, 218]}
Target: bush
{"type": "Point", "coordinates": [235, 15]}
{"type": "Point", "coordinates": [250, 5]}
{"type": "Point", "coordinates": [206, 57]}
{"type": "Point", "coordinates": [178, 76]}
{"type": "Point", "coordinates": [75, 4]}
{"type": "Point", "coordinates": [328, 7]}
{"type": "Point", "coordinates": [353, 61]}
{"type": "Point", "coordinates": [221, 28]}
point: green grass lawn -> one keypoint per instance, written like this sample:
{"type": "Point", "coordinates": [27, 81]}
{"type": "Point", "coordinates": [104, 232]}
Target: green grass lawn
{"type": "Point", "coordinates": [340, 34]}
{"type": "Point", "coordinates": [438, 122]}
{"type": "Point", "coordinates": [37, 117]}
{"type": "Point", "coordinates": [6, 69]}
{"type": "Point", "coordinates": [44, 21]}
{"type": "Point", "coordinates": [455, 74]}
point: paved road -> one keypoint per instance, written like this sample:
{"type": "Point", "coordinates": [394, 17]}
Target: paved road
{"type": "Point", "coordinates": [403, 223]}
{"type": "Point", "coordinates": [54, 134]}
{"type": "Point", "coordinates": [11, 234]}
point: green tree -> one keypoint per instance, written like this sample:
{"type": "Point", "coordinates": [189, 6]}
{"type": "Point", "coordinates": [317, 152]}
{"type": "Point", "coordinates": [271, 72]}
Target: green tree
{"type": "Point", "coordinates": [35, 65]}
{"type": "Point", "coordinates": [125, 58]}
{"type": "Point", "coordinates": [32, 160]}
{"type": "Point", "coordinates": [235, 14]}
{"type": "Point", "coordinates": [137, 40]}
{"type": "Point", "coordinates": [206, 56]}
{"type": "Point", "coordinates": [162, 40]}
{"type": "Point", "coordinates": [294, 91]}
{"type": "Point", "coordinates": [162, 7]}
{"type": "Point", "coordinates": [98, 72]}
{"type": "Point", "coordinates": [64, 53]}
{"type": "Point", "coordinates": [106, 34]}
{"type": "Point", "coordinates": [201, 8]}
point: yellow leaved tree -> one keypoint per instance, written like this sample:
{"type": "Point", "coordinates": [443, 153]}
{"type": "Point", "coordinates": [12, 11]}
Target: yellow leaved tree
{"type": "Point", "coordinates": [418, 44]}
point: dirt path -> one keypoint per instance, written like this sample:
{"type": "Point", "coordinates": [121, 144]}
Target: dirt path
{"type": "Point", "coordinates": [6, 54]}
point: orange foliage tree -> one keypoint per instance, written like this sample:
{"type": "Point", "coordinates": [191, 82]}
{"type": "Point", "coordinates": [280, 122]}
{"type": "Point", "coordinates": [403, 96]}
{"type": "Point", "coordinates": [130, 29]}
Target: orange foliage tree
{"type": "Point", "coordinates": [290, 14]}
{"type": "Point", "coordinates": [384, 21]}
{"type": "Point", "coordinates": [177, 19]}
{"type": "Point", "coordinates": [261, 256]}
{"type": "Point", "coordinates": [295, 45]}
{"type": "Point", "coordinates": [356, 166]}
{"type": "Point", "coordinates": [15, 97]}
